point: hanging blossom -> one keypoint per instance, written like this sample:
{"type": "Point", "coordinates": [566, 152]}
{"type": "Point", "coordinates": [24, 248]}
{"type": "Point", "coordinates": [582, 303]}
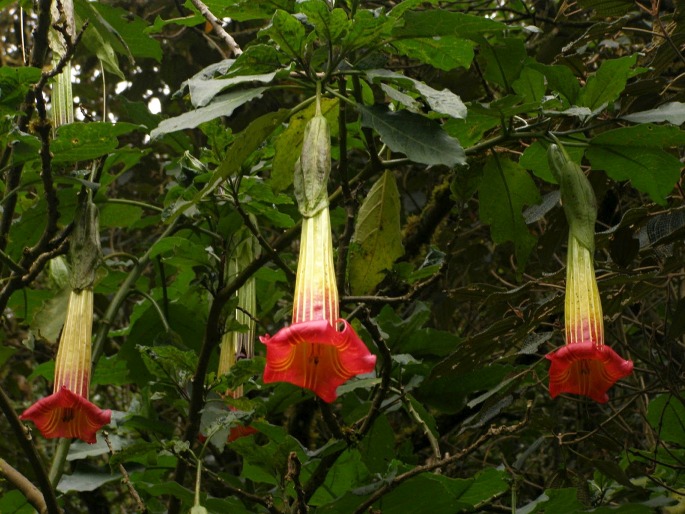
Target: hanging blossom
{"type": "Point", "coordinates": [67, 411]}
{"type": "Point", "coordinates": [318, 351]}
{"type": "Point", "coordinates": [585, 365]}
{"type": "Point", "coordinates": [237, 345]}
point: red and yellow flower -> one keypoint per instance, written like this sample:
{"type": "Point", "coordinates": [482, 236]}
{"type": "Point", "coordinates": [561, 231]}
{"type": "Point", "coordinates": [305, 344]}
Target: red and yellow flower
{"type": "Point", "coordinates": [585, 365]}
{"type": "Point", "coordinates": [319, 350]}
{"type": "Point", "coordinates": [67, 411]}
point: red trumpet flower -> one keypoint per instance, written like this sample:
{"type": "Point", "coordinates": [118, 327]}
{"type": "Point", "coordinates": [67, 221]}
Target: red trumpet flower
{"type": "Point", "coordinates": [67, 411]}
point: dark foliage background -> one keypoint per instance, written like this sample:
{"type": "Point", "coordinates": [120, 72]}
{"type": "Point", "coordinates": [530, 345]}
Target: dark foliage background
{"type": "Point", "coordinates": [441, 114]}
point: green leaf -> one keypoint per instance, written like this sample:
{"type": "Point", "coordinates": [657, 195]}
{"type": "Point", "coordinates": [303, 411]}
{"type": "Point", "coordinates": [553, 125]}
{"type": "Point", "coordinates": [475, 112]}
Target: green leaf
{"type": "Point", "coordinates": [13, 502]}
{"type": "Point", "coordinates": [49, 318]}
{"type": "Point", "coordinates": [530, 85]}
{"type": "Point", "coordinates": [534, 158]}
{"type": "Point", "coordinates": [14, 84]}
{"type": "Point", "coordinates": [80, 481]}
{"type": "Point", "coordinates": [365, 30]}
{"type": "Point", "coordinates": [378, 448]}
{"type": "Point", "coordinates": [442, 102]}
{"type": "Point", "coordinates": [347, 473]}
{"type": "Point", "coordinates": [504, 61]}
{"type": "Point", "coordinates": [287, 32]}
{"type": "Point", "coordinates": [443, 52]}
{"type": "Point", "coordinates": [330, 25]}
{"type": "Point", "coordinates": [203, 90]}
{"type": "Point", "coordinates": [560, 79]}
{"type": "Point", "coordinates": [427, 489]}
{"type": "Point", "coordinates": [377, 239]}
{"type": "Point", "coordinates": [672, 112]}
{"type": "Point", "coordinates": [635, 154]}
{"type": "Point", "coordinates": [419, 138]}
{"type": "Point", "coordinates": [557, 501]}
{"type": "Point", "coordinates": [505, 189]}
{"type": "Point", "coordinates": [440, 22]}
{"type": "Point", "coordinates": [244, 144]}
{"type": "Point", "coordinates": [110, 371]}
{"type": "Point", "coordinates": [180, 251]}
{"type": "Point", "coordinates": [471, 130]}
{"type": "Point", "coordinates": [288, 144]}
{"type": "Point", "coordinates": [607, 83]}
{"type": "Point", "coordinates": [132, 30]}
{"type": "Point", "coordinates": [486, 485]}
{"type": "Point", "coordinates": [85, 141]}
{"type": "Point", "coordinates": [604, 8]}
{"type": "Point", "coordinates": [223, 105]}
{"type": "Point", "coordinates": [666, 415]}
{"type": "Point", "coordinates": [119, 215]}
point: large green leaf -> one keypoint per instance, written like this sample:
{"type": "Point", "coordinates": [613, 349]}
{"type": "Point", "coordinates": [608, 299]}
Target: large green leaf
{"type": "Point", "coordinates": [131, 30]}
{"type": "Point", "coordinates": [223, 105]}
{"type": "Point", "coordinates": [441, 101]}
{"type": "Point", "coordinates": [330, 25]}
{"type": "Point", "coordinates": [14, 83]}
{"type": "Point", "coordinates": [85, 141]}
{"type": "Point", "coordinates": [420, 139]}
{"type": "Point", "coordinates": [635, 154]}
{"type": "Point", "coordinates": [666, 415]}
{"type": "Point", "coordinates": [439, 22]}
{"type": "Point", "coordinates": [242, 147]}
{"type": "Point", "coordinates": [505, 190]}
{"type": "Point", "coordinates": [443, 52]}
{"type": "Point", "coordinates": [504, 61]}
{"type": "Point", "coordinates": [560, 79]}
{"type": "Point", "coordinates": [287, 32]}
{"type": "Point", "coordinates": [203, 90]}
{"type": "Point", "coordinates": [377, 240]}
{"type": "Point", "coordinates": [85, 481]}
{"type": "Point", "coordinates": [604, 8]}
{"type": "Point", "coordinates": [607, 83]}
{"type": "Point", "coordinates": [672, 112]}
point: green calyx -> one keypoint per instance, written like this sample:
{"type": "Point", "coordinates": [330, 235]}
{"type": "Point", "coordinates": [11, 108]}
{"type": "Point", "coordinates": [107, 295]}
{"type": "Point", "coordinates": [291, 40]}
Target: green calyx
{"type": "Point", "coordinates": [577, 196]}
{"type": "Point", "coordinates": [312, 169]}
{"type": "Point", "coordinates": [84, 247]}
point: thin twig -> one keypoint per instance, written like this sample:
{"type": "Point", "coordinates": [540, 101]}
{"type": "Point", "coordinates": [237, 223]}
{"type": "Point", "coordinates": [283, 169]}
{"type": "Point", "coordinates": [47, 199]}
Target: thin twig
{"type": "Point", "coordinates": [386, 372]}
{"type": "Point", "coordinates": [26, 442]}
{"type": "Point", "coordinates": [216, 25]}
{"type": "Point", "coordinates": [492, 432]}
{"type": "Point", "coordinates": [293, 475]}
{"type": "Point", "coordinates": [127, 479]}
{"type": "Point", "coordinates": [212, 337]}
{"type": "Point", "coordinates": [30, 491]}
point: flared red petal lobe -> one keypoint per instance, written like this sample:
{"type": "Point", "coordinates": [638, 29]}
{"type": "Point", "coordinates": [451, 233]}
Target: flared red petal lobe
{"type": "Point", "coordinates": [586, 369]}
{"type": "Point", "coordinates": [314, 355]}
{"type": "Point", "coordinates": [65, 414]}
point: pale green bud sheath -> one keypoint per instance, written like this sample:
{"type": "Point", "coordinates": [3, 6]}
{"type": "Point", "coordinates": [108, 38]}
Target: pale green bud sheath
{"type": "Point", "coordinates": [312, 169]}
{"type": "Point", "coordinates": [577, 196]}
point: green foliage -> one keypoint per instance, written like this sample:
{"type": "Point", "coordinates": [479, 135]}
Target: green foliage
{"type": "Point", "coordinates": [377, 238]}
{"type": "Point", "coordinates": [449, 245]}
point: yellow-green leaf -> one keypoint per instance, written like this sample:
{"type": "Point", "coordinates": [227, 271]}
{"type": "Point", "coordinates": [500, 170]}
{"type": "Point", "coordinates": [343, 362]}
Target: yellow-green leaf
{"type": "Point", "coordinates": [377, 240]}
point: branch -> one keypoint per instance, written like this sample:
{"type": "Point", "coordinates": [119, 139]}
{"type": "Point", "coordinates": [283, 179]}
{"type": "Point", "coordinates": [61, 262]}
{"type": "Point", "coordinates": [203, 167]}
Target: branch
{"type": "Point", "coordinates": [293, 475]}
{"type": "Point", "coordinates": [386, 373]}
{"type": "Point", "coordinates": [37, 60]}
{"type": "Point", "coordinates": [26, 443]}
{"type": "Point", "coordinates": [348, 199]}
{"type": "Point", "coordinates": [212, 338]}
{"type": "Point", "coordinates": [492, 432]}
{"type": "Point", "coordinates": [216, 25]}
{"type": "Point", "coordinates": [30, 491]}
{"type": "Point", "coordinates": [127, 480]}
